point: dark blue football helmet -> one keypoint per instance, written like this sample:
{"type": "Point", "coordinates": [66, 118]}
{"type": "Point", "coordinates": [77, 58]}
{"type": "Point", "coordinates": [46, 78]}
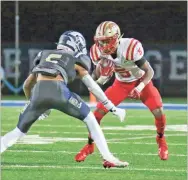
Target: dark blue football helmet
{"type": "Point", "coordinates": [74, 40]}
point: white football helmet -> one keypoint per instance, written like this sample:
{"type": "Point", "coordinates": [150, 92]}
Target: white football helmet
{"type": "Point", "coordinates": [107, 37]}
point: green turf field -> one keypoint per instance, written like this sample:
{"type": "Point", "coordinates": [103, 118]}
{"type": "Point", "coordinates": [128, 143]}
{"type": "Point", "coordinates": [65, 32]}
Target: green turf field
{"type": "Point", "coordinates": [57, 139]}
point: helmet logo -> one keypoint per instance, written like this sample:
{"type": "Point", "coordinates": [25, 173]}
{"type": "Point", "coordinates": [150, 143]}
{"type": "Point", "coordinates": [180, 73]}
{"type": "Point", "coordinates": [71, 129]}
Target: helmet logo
{"type": "Point", "coordinates": [74, 40]}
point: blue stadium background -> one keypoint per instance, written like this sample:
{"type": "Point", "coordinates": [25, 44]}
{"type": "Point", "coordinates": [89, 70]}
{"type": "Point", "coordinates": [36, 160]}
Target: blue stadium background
{"type": "Point", "coordinates": [160, 26]}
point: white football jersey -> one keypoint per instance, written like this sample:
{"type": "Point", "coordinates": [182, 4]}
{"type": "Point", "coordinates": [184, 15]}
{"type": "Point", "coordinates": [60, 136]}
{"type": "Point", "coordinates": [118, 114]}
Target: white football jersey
{"type": "Point", "coordinates": [129, 51]}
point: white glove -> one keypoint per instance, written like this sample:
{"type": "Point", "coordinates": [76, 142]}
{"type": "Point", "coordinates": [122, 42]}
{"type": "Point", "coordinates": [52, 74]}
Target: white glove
{"type": "Point", "coordinates": [44, 115]}
{"type": "Point", "coordinates": [120, 113]}
{"type": "Point", "coordinates": [103, 80]}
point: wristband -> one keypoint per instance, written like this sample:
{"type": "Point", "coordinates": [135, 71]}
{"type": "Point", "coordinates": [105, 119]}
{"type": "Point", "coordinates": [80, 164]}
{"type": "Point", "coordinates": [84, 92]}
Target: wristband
{"type": "Point", "coordinates": [102, 80]}
{"type": "Point", "coordinates": [140, 87]}
{"type": "Point", "coordinates": [108, 104]}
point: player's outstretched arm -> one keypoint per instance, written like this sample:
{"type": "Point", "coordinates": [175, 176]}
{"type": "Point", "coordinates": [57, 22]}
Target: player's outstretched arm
{"type": "Point", "coordinates": [98, 93]}
{"type": "Point", "coordinates": [28, 85]}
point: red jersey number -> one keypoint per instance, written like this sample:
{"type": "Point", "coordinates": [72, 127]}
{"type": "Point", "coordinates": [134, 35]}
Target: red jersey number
{"type": "Point", "coordinates": [140, 51]}
{"type": "Point", "coordinates": [126, 74]}
{"type": "Point", "coordinates": [122, 72]}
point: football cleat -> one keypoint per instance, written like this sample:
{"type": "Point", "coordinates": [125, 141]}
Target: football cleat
{"type": "Point", "coordinates": [84, 152]}
{"type": "Point", "coordinates": [114, 162]}
{"type": "Point", "coordinates": [163, 148]}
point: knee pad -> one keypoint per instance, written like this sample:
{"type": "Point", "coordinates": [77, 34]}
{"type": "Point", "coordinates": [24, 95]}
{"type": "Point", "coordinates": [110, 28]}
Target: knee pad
{"type": "Point", "coordinates": [158, 112]}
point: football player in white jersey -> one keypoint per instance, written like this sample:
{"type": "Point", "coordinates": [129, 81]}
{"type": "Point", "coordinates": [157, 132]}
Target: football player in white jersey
{"type": "Point", "coordinates": [133, 79]}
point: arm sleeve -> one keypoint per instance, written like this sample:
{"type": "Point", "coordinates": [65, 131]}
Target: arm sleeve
{"type": "Point", "coordinates": [140, 62]}
{"type": "Point", "coordinates": [97, 91]}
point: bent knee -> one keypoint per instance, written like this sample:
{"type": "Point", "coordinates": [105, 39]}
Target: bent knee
{"type": "Point", "coordinates": [158, 112]}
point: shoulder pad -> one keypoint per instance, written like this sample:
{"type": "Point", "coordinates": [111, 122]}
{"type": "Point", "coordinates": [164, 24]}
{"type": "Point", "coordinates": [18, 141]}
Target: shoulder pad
{"type": "Point", "coordinates": [134, 50]}
{"type": "Point", "coordinates": [36, 61]}
{"type": "Point", "coordinates": [84, 61]}
{"type": "Point", "coordinates": [138, 52]}
{"type": "Point", "coordinates": [95, 54]}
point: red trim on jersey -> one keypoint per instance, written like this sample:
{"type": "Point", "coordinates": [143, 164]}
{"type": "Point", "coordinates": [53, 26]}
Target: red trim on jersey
{"type": "Point", "coordinates": [128, 49]}
{"type": "Point", "coordinates": [133, 50]}
{"type": "Point", "coordinates": [91, 53]}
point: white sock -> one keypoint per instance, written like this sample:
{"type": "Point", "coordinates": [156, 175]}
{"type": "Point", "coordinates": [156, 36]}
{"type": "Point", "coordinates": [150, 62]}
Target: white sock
{"type": "Point", "coordinates": [11, 138]}
{"type": "Point", "coordinates": [97, 135]}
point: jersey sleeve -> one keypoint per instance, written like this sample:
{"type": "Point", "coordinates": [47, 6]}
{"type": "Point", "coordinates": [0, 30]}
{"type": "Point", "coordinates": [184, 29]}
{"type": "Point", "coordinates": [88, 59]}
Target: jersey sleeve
{"type": "Point", "coordinates": [138, 52]}
{"type": "Point", "coordinates": [95, 54]}
{"type": "Point", "coordinates": [133, 49]}
{"type": "Point", "coordinates": [36, 61]}
{"type": "Point", "coordinates": [84, 61]}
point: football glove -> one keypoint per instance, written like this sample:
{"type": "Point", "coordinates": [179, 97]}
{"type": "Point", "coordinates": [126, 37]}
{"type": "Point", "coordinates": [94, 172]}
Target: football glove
{"type": "Point", "coordinates": [120, 113]}
{"type": "Point", "coordinates": [106, 68]}
{"type": "Point", "coordinates": [106, 71]}
{"type": "Point", "coordinates": [135, 93]}
{"type": "Point", "coordinates": [103, 79]}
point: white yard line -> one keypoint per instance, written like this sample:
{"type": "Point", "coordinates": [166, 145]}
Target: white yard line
{"type": "Point", "coordinates": [144, 137]}
{"type": "Point", "coordinates": [93, 168]}
{"type": "Point", "coordinates": [108, 133]}
{"type": "Point", "coordinates": [69, 152]}
{"type": "Point", "coordinates": [36, 139]}
{"type": "Point", "coordinates": [144, 143]}
{"type": "Point", "coordinates": [182, 127]}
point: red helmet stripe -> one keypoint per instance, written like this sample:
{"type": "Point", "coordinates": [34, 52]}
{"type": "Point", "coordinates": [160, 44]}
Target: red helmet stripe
{"type": "Point", "coordinates": [100, 27]}
{"type": "Point", "coordinates": [105, 24]}
{"type": "Point", "coordinates": [96, 54]}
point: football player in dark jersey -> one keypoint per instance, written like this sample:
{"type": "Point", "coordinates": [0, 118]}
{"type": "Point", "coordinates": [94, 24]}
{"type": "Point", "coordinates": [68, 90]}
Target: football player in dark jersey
{"type": "Point", "coordinates": [46, 88]}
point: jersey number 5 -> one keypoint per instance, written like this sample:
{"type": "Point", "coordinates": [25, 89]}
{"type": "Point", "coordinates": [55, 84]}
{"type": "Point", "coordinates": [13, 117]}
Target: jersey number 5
{"type": "Point", "coordinates": [53, 58]}
{"type": "Point", "coordinates": [125, 74]}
